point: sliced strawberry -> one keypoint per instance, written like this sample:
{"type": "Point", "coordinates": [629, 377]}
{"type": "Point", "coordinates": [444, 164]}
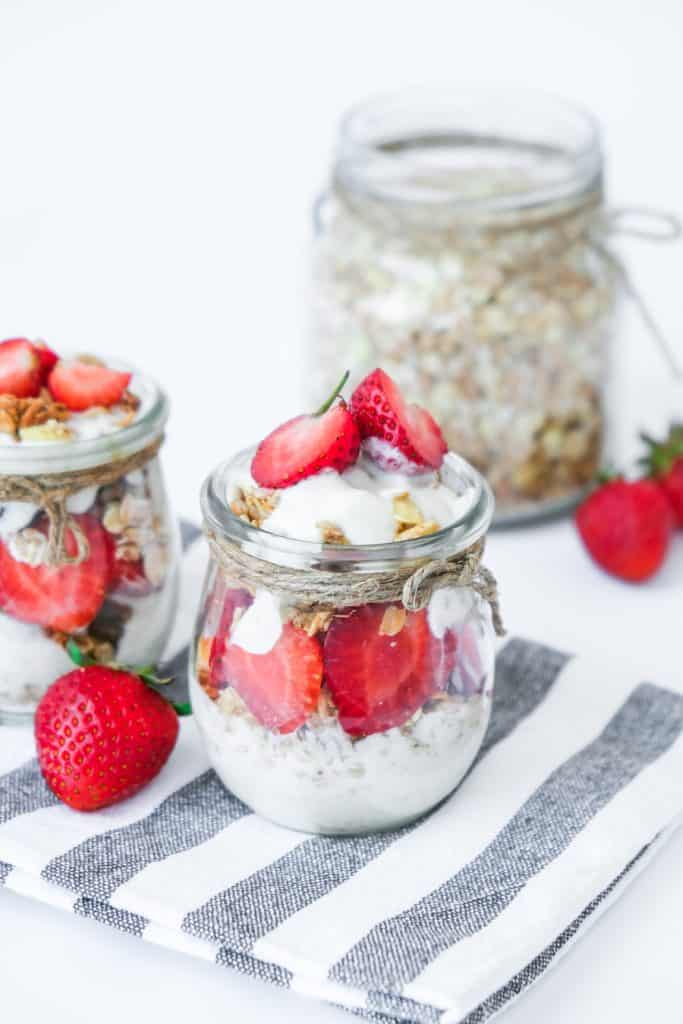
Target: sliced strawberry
{"type": "Point", "coordinates": [381, 411]}
{"type": "Point", "coordinates": [48, 359]}
{"type": "Point", "coordinates": [280, 688]}
{"type": "Point", "coordinates": [83, 385]}
{"type": "Point", "coordinates": [129, 578]}
{"type": "Point", "coordinates": [64, 597]}
{"type": "Point", "coordinates": [20, 368]}
{"type": "Point", "coordinates": [225, 607]}
{"type": "Point", "coordinates": [378, 680]}
{"type": "Point", "coordinates": [328, 439]}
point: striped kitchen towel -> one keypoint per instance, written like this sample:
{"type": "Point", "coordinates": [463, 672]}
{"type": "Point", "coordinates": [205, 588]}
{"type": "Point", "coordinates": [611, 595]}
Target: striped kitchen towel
{"type": "Point", "coordinates": [448, 920]}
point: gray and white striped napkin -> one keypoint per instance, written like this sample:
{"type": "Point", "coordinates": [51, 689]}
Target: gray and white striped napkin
{"type": "Point", "coordinates": [448, 920]}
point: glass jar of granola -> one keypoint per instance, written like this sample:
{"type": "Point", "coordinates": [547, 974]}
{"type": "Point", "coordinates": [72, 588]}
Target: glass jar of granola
{"type": "Point", "coordinates": [88, 545]}
{"type": "Point", "coordinates": [341, 687]}
{"type": "Point", "coordinates": [460, 248]}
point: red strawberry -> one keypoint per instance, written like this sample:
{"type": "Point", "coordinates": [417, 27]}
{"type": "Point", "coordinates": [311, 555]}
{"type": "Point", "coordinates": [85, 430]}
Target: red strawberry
{"type": "Point", "coordinates": [672, 485]}
{"type": "Point", "coordinates": [82, 385]}
{"type": "Point", "coordinates": [626, 527]}
{"type": "Point", "coordinates": [381, 411]}
{"type": "Point", "coordinates": [20, 368]}
{"type": "Point", "coordinates": [378, 678]}
{"type": "Point", "coordinates": [48, 359]}
{"type": "Point", "coordinates": [230, 602]}
{"type": "Point", "coordinates": [101, 735]}
{"type": "Point", "coordinates": [664, 462]}
{"type": "Point", "coordinates": [280, 688]}
{"type": "Point", "coordinates": [303, 446]}
{"type": "Point", "coordinates": [129, 577]}
{"type": "Point", "coordinates": [66, 597]}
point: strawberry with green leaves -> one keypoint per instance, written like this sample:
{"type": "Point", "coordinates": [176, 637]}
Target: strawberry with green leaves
{"type": "Point", "coordinates": [626, 527]}
{"type": "Point", "coordinates": [102, 732]}
{"type": "Point", "coordinates": [664, 463]}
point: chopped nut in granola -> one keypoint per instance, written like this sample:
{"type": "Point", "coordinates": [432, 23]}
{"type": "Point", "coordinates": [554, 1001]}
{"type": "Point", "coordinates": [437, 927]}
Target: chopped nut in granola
{"type": "Point", "coordinates": [155, 562]}
{"type": "Point", "coordinates": [331, 533]}
{"type": "Point", "coordinates": [253, 507]}
{"type": "Point", "coordinates": [393, 620]}
{"type": "Point", "coordinates": [18, 415]}
{"type": "Point", "coordinates": [406, 512]}
{"type": "Point", "coordinates": [313, 622]}
{"type": "Point", "coordinates": [112, 519]}
{"type": "Point", "coordinates": [203, 666]}
{"type": "Point", "coordinates": [420, 530]}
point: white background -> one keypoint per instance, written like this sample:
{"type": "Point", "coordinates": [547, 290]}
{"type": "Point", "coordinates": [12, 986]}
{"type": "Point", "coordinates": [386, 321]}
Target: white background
{"type": "Point", "coordinates": [157, 165]}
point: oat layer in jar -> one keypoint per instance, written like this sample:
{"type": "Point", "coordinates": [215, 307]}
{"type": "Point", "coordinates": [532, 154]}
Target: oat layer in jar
{"type": "Point", "coordinates": [88, 545]}
{"type": "Point", "coordinates": [336, 691]}
{"type": "Point", "coordinates": [460, 248]}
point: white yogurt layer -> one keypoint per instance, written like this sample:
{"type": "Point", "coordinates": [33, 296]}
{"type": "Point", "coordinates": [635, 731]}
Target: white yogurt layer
{"type": "Point", "coordinates": [259, 627]}
{"type": "Point", "coordinates": [359, 501]}
{"type": "Point", "coordinates": [319, 780]}
{"type": "Point", "coordinates": [29, 662]}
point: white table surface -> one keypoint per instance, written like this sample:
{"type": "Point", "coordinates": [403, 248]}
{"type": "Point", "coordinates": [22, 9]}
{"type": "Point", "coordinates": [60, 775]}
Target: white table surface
{"type": "Point", "coordinates": [157, 164]}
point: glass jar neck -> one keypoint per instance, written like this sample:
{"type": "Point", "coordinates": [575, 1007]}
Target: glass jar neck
{"type": "Point", "coordinates": [458, 536]}
{"type": "Point", "coordinates": [29, 458]}
{"type": "Point", "coordinates": [441, 157]}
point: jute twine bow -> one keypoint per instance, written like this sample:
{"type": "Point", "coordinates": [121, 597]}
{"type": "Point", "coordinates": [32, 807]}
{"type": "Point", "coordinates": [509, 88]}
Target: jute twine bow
{"type": "Point", "coordinates": [316, 589]}
{"type": "Point", "coordinates": [50, 491]}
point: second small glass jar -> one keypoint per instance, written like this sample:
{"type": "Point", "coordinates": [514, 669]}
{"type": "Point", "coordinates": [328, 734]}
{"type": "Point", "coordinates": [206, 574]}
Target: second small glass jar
{"type": "Point", "coordinates": [343, 719]}
{"type": "Point", "coordinates": [113, 590]}
{"type": "Point", "coordinates": [460, 249]}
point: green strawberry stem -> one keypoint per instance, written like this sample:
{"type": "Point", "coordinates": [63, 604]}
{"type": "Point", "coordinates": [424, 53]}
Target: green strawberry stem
{"type": "Point", "coordinates": [144, 672]}
{"type": "Point", "coordinates": [661, 455]}
{"type": "Point", "coordinates": [78, 656]}
{"type": "Point", "coordinates": [326, 405]}
{"type": "Point", "coordinates": [181, 709]}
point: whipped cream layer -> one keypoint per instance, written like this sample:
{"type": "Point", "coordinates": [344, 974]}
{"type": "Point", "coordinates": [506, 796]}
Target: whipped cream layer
{"type": "Point", "coordinates": [358, 501]}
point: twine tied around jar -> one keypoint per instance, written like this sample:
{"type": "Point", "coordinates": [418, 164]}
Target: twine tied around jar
{"type": "Point", "coordinates": [631, 221]}
{"type": "Point", "coordinates": [411, 584]}
{"type": "Point", "coordinates": [50, 491]}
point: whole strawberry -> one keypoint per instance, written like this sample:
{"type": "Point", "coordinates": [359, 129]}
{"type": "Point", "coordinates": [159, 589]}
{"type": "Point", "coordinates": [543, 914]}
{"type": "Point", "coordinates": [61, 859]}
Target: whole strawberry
{"type": "Point", "coordinates": [626, 527]}
{"type": "Point", "coordinates": [101, 735]}
{"type": "Point", "coordinates": [664, 463]}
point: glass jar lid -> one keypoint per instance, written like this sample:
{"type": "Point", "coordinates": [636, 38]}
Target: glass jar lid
{"type": "Point", "coordinates": [467, 154]}
{"type": "Point", "coordinates": [456, 473]}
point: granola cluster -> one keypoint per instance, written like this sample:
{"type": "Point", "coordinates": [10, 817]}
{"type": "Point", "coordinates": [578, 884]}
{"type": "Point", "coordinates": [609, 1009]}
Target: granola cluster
{"type": "Point", "coordinates": [252, 506]}
{"type": "Point", "coordinates": [34, 418]}
{"type": "Point", "coordinates": [138, 534]}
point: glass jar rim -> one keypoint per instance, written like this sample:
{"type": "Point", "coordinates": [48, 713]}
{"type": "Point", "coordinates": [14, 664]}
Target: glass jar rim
{"type": "Point", "coordinates": [457, 536]}
{"type": "Point", "coordinates": [376, 134]}
{"type": "Point", "coordinates": [30, 458]}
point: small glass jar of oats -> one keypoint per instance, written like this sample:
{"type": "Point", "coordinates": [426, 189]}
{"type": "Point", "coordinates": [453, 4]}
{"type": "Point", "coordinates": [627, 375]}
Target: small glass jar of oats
{"type": "Point", "coordinates": [461, 247]}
